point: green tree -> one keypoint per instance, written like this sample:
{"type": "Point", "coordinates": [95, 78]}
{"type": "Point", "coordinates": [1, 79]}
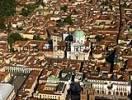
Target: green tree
{"type": "Point", "coordinates": [7, 8]}
{"type": "Point", "coordinates": [13, 37]}
{"type": "Point", "coordinates": [37, 37]}
{"type": "Point", "coordinates": [64, 8]}
{"type": "Point", "coordinates": [68, 20]}
{"type": "Point", "coordinates": [98, 38]}
{"type": "Point", "coordinates": [40, 2]}
{"type": "Point", "coordinates": [2, 25]}
{"type": "Point", "coordinates": [28, 9]}
{"type": "Point", "coordinates": [24, 12]}
{"type": "Point", "coordinates": [59, 23]}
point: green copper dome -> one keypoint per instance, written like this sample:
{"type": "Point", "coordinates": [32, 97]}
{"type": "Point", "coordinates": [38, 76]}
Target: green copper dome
{"type": "Point", "coordinates": [79, 35]}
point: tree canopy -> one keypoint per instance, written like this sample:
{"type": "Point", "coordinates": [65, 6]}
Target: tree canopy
{"type": "Point", "coordinates": [13, 37]}
{"type": "Point", "coordinates": [7, 8]}
{"type": "Point", "coordinates": [28, 9]}
{"type": "Point", "coordinates": [64, 8]}
{"type": "Point", "coordinates": [68, 20]}
{"type": "Point", "coordinates": [37, 37]}
{"type": "Point", "coordinates": [98, 38]}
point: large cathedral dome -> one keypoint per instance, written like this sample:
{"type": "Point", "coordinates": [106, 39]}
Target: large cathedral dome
{"type": "Point", "coordinates": [79, 36]}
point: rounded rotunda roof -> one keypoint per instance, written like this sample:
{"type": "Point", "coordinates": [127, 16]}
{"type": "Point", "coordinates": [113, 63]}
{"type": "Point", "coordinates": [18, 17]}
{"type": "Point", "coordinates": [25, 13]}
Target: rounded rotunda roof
{"type": "Point", "coordinates": [79, 34]}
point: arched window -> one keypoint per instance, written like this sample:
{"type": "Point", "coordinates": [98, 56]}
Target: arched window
{"type": "Point", "coordinates": [125, 94]}
{"type": "Point", "coordinates": [121, 93]}
{"type": "Point", "coordinates": [109, 93]}
{"type": "Point", "coordinates": [98, 91]}
{"type": "Point", "coordinates": [102, 92]}
{"type": "Point", "coordinates": [117, 93]}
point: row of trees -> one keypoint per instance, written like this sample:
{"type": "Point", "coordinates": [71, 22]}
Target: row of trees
{"type": "Point", "coordinates": [13, 37]}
